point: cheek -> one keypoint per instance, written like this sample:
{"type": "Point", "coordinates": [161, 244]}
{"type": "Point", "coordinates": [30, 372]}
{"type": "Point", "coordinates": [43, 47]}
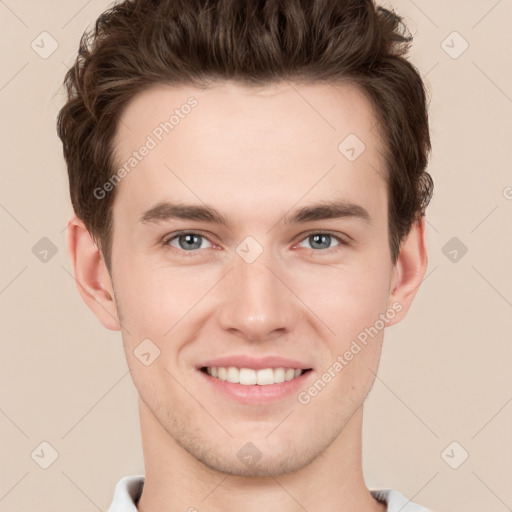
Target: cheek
{"type": "Point", "coordinates": [347, 298]}
{"type": "Point", "coordinates": [158, 302]}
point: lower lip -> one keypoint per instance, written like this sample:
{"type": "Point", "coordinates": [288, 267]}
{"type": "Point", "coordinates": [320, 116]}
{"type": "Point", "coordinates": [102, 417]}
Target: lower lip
{"type": "Point", "coordinates": [258, 394]}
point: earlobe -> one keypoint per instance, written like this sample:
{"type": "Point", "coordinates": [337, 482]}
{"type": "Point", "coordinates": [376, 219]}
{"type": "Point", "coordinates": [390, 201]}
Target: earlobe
{"type": "Point", "coordinates": [409, 270]}
{"type": "Point", "coordinates": [91, 275]}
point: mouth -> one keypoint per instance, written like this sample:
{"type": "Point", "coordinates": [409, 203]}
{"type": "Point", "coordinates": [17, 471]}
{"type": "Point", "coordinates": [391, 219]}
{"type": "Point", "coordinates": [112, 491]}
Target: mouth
{"type": "Point", "coordinates": [254, 377]}
{"type": "Point", "coordinates": [256, 381]}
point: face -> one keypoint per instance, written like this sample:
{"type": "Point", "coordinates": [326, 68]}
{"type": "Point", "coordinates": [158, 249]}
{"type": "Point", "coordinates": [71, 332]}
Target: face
{"type": "Point", "coordinates": [250, 273]}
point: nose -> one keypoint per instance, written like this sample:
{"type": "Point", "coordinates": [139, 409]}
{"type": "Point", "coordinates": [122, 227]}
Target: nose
{"type": "Point", "coordinates": [257, 303]}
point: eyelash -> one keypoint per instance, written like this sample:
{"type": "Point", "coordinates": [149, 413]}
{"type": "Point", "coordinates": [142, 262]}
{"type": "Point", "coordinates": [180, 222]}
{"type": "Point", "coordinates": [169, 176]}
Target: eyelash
{"type": "Point", "coordinates": [166, 240]}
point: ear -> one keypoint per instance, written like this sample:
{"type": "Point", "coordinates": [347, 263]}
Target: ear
{"type": "Point", "coordinates": [409, 271]}
{"type": "Point", "coordinates": [91, 274]}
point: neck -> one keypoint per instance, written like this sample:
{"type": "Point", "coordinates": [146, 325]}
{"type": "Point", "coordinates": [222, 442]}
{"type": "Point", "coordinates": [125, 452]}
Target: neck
{"type": "Point", "coordinates": [175, 480]}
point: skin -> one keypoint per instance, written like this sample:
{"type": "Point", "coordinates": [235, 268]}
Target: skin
{"type": "Point", "coordinates": [255, 154]}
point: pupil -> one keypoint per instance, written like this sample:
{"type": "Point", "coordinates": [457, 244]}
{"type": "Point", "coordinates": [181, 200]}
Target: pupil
{"type": "Point", "coordinates": [316, 239]}
{"type": "Point", "coordinates": [189, 239]}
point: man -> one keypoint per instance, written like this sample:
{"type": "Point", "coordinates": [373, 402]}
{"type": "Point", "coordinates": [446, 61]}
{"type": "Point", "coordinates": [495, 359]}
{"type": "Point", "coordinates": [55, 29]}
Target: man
{"type": "Point", "coordinates": [249, 185]}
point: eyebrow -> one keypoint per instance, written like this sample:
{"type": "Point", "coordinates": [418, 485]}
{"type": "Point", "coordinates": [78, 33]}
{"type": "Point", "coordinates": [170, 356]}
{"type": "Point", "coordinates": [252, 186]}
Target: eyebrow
{"type": "Point", "coordinates": [324, 210]}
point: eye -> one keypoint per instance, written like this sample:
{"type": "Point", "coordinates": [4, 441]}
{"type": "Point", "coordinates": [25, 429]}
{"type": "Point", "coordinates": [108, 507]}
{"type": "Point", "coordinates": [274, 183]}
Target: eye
{"type": "Point", "coordinates": [323, 241]}
{"type": "Point", "coordinates": [186, 241]}
{"type": "Point", "coordinates": [190, 242]}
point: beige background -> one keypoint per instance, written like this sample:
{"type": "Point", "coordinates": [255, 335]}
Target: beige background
{"type": "Point", "coordinates": [445, 371]}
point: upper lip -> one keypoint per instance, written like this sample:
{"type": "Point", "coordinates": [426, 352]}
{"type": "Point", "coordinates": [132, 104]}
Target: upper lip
{"type": "Point", "coordinates": [256, 363]}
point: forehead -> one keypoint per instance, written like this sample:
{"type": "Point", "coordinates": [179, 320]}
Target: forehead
{"type": "Point", "coordinates": [315, 111]}
{"type": "Point", "coordinates": [231, 145]}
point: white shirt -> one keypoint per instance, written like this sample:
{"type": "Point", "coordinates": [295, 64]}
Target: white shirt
{"type": "Point", "coordinates": [129, 489]}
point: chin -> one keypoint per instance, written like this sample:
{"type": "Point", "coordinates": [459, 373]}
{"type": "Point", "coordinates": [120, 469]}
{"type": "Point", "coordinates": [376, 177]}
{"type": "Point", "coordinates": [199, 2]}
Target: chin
{"type": "Point", "coordinates": [274, 466]}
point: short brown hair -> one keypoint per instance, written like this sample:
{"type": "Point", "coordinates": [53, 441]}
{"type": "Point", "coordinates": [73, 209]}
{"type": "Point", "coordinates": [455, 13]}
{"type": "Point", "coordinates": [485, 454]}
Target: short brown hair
{"type": "Point", "coordinates": [140, 43]}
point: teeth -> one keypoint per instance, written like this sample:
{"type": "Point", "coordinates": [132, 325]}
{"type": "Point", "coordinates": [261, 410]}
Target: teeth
{"type": "Point", "coordinates": [247, 376]}
{"type": "Point", "coordinates": [233, 375]}
{"type": "Point", "coordinates": [250, 377]}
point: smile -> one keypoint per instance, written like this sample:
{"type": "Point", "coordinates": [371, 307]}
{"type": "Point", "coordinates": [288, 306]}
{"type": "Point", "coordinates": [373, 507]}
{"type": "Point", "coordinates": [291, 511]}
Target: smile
{"type": "Point", "coordinates": [251, 377]}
